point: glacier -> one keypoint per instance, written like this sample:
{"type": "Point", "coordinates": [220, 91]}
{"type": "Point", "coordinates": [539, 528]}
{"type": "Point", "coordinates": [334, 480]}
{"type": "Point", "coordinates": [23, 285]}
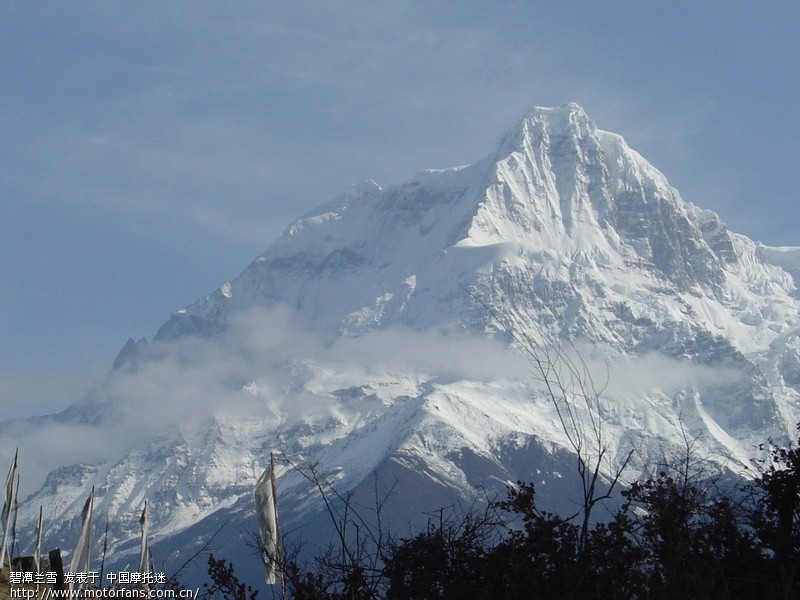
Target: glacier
{"type": "Point", "coordinates": [382, 337]}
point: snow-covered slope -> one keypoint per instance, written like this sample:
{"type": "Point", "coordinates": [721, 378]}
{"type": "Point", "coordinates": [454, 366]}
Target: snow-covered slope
{"type": "Point", "coordinates": [380, 335]}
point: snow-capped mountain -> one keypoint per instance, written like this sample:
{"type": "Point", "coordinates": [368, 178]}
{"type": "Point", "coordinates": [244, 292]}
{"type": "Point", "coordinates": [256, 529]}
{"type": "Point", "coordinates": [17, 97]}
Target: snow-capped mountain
{"type": "Point", "coordinates": [379, 338]}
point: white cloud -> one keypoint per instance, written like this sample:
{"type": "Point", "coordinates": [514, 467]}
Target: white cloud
{"type": "Point", "coordinates": [180, 385]}
{"type": "Point", "coordinates": [632, 375]}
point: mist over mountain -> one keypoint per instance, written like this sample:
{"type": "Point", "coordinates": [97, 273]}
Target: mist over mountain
{"type": "Point", "coordinates": [379, 337]}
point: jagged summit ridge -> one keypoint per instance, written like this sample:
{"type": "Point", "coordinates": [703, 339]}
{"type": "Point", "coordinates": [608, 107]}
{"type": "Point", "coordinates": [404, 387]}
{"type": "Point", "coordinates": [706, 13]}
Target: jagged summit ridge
{"type": "Point", "coordinates": [540, 121]}
{"type": "Point", "coordinates": [560, 201]}
{"type": "Point", "coordinates": [588, 192]}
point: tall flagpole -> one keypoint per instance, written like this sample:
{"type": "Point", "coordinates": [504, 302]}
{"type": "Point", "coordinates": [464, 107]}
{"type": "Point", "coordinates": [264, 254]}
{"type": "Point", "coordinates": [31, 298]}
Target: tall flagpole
{"type": "Point", "coordinates": [278, 548]}
{"type": "Point", "coordinates": [81, 557]}
{"type": "Point", "coordinates": [37, 551]}
{"type": "Point", "coordinates": [14, 523]}
{"type": "Point", "coordinates": [105, 548]}
{"type": "Point", "coordinates": [267, 513]}
{"type": "Point", "coordinates": [9, 500]}
{"type": "Point", "coordinates": [144, 548]}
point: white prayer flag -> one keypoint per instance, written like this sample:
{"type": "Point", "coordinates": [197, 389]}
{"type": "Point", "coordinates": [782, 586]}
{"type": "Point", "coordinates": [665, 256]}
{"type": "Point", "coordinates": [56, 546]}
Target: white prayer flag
{"type": "Point", "coordinates": [7, 504]}
{"type": "Point", "coordinates": [80, 558]}
{"type": "Point", "coordinates": [267, 512]}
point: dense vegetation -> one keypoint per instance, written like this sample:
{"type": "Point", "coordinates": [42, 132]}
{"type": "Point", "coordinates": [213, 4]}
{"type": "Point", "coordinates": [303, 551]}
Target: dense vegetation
{"type": "Point", "coordinates": [676, 535]}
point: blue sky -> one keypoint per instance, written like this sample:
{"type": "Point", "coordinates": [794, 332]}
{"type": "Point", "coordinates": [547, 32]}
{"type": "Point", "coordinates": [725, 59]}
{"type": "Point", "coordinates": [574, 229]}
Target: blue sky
{"type": "Point", "coordinates": [151, 150]}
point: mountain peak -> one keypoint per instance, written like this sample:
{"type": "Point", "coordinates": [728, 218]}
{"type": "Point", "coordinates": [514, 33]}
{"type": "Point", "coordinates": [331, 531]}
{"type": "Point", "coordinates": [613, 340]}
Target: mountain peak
{"type": "Point", "coordinates": [543, 123]}
{"type": "Point", "coordinates": [562, 220]}
{"type": "Point", "coordinates": [566, 235]}
{"type": "Point", "coordinates": [568, 112]}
